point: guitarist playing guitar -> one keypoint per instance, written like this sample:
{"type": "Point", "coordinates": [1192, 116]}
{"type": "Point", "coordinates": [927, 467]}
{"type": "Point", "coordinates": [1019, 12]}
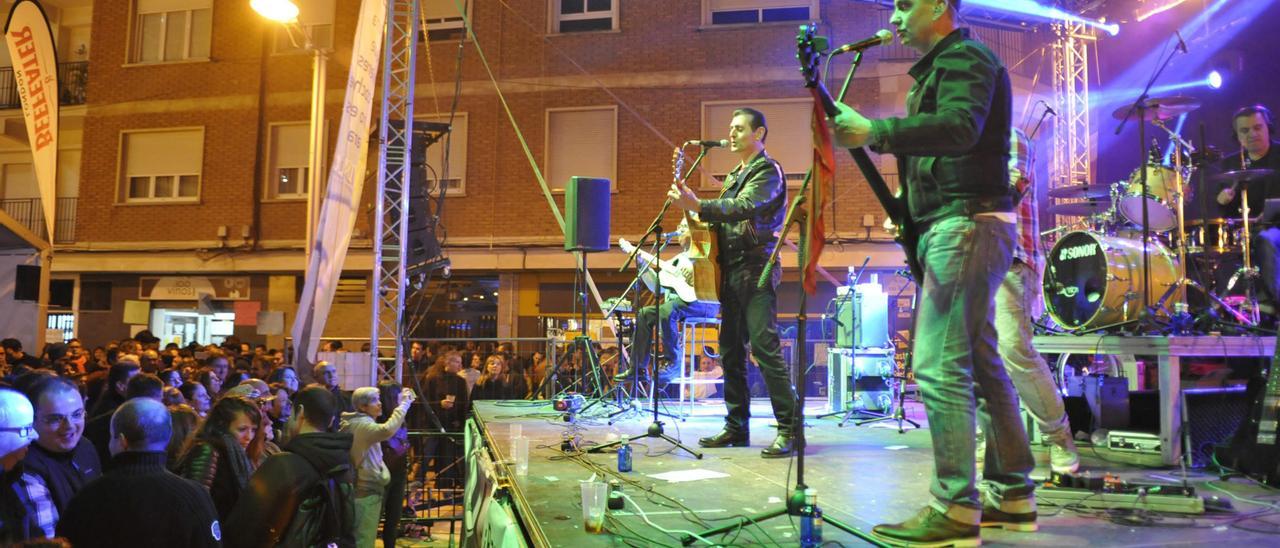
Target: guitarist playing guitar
{"type": "Point", "coordinates": [952, 149]}
{"type": "Point", "coordinates": [680, 300]}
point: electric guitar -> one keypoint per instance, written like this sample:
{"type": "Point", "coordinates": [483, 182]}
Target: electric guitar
{"type": "Point", "coordinates": [895, 206]}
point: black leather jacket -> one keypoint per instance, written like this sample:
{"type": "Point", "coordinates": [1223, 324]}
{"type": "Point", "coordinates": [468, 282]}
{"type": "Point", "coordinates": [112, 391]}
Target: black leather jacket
{"type": "Point", "coordinates": [953, 145]}
{"type": "Point", "coordinates": [747, 213]}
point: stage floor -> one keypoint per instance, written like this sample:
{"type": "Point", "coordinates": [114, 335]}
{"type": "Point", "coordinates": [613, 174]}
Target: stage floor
{"type": "Point", "coordinates": [864, 476]}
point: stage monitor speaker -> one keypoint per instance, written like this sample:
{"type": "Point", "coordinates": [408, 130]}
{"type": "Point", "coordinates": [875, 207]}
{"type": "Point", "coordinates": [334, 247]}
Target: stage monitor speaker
{"type": "Point", "coordinates": [26, 283]}
{"type": "Point", "coordinates": [586, 223]}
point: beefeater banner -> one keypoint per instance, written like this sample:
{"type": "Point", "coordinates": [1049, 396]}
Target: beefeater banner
{"type": "Point", "coordinates": [35, 71]}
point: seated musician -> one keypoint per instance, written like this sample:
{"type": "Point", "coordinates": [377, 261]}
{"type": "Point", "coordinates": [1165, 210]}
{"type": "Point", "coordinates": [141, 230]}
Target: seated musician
{"type": "Point", "coordinates": [678, 303]}
{"type": "Point", "coordinates": [1253, 129]}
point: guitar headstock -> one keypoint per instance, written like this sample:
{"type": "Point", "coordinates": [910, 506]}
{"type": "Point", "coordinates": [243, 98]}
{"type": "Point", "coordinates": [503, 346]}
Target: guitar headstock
{"type": "Point", "coordinates": [677, 164]}
{"type": "Point", "coordinates": [809, 50]}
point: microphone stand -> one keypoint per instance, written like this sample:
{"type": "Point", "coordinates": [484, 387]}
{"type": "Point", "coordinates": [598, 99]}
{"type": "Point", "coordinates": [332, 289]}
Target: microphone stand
{"type": "Point", "coordinates": [1145, 313]}
{"type": "Point", "coordinates": [655, 429]}
{"type": "Point", "coordinates": [796, 503]}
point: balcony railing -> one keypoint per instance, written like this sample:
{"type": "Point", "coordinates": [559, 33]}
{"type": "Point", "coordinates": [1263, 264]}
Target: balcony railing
{"type": "Point", "coordinates": [73, 78]}
{"type": "Point", "coordinates": [28, 212]}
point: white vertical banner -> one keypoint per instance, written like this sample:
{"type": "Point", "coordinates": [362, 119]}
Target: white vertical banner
{"type": "Point", "coordinates": [35, 71]}
{"type": "Point", "coordinates": [341, 196]}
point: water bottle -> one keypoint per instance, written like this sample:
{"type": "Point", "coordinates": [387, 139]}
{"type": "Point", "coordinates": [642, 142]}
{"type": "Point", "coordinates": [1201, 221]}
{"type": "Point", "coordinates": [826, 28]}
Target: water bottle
{"type": "Point", "coordinates": [810, 521]}
{"type": "Point", "coordinates": [624, 457]}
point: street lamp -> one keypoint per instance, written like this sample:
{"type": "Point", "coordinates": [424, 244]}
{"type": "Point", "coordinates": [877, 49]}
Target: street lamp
{"type": "Point", "coordinates": [286, 13]}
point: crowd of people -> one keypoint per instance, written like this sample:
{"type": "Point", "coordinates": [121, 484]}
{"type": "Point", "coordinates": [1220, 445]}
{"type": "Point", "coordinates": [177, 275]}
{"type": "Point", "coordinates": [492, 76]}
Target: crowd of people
{"type": "Point", "coordinates": [227, 442]}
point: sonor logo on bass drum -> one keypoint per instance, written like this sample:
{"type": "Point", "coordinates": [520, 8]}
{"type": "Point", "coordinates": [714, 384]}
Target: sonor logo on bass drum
{"type": "Point", "coordinates": [1076, 252]}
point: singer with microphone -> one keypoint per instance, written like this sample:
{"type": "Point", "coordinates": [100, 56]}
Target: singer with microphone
{"type": "Point", "coordinates": [679, 301]}
{"type": "Point", "coordinates": [745, 219]}
{"type": "Point", "coordinates": [952, 149]}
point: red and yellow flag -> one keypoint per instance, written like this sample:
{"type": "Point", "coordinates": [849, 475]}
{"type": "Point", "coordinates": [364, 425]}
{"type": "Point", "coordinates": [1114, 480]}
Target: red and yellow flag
{"type": "Point", "coordinates": [817, 195]}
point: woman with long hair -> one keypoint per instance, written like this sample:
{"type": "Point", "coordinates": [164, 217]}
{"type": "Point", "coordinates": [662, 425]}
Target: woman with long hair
{"type": "Point", "coordinates": [211, 381]}
{"type": "Point", "coordinates": [287, 376]}
{"type": "Point", "coordinates": [222, 453]}
{"type": "Point", "coordinates": [185, 421]}
{"type": "Point", "coordinates": [198, 397]}
{"type": "Point", "coordinates": [497, 383]}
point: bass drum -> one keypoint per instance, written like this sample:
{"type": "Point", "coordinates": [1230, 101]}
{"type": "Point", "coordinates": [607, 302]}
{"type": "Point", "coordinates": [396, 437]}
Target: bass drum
{"type": "Point", "coordinates": [1093, 280]}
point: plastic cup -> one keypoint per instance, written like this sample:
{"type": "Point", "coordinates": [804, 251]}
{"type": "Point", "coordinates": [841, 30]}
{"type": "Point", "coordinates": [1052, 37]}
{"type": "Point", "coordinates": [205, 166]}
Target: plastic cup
{"type": "Point", "coordinates": [521, 452]}
{"type": "Point", "coordinates": [514, 430]}
{"type": "Point", "coordinates": [594, 496]}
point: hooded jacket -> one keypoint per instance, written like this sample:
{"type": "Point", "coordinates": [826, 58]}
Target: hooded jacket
{"type": "Point", "coordinates": [372, 474]}
{"type": "Point", "coordinates": [278, 487]}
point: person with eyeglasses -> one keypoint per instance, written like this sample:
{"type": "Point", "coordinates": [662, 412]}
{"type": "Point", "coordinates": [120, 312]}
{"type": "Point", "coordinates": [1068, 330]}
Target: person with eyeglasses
{"type": "Point", "coordinates": [62, 460]}
{"type": "Point", "coordinates": [18, 521]}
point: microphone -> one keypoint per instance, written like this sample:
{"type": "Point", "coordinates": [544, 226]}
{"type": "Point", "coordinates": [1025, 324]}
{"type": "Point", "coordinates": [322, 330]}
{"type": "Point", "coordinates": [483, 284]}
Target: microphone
{"type": "Point", "coordinates": [708, 144]}
{"type": "Point", "coordinates": [1181, 45]}
{"type": "Point", "coordinates": [883, 36]}
{"type": "Point", "coordinates": [1050, 110]}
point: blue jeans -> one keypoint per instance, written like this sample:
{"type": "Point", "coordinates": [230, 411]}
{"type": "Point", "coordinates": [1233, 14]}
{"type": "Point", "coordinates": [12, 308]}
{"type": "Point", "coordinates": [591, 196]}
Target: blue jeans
{"type": "Point", "coordinates": [958, 369]}
{"type": "Point", "coordinates": [673, 311]}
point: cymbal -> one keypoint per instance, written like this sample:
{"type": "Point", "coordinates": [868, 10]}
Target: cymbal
{"type": "Point", "coordinates": [1161, 108]}
{"type": "Point", "coordinates": [1081, 191]}
{"type": "Point", "coordinates": [1081, 209]}
{"type": "Point", "coordinates": [1240, 175]}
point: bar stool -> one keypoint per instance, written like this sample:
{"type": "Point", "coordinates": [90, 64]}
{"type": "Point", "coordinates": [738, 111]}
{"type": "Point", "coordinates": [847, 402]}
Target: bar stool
{"type": "Point", "coordinates": [693, 334]}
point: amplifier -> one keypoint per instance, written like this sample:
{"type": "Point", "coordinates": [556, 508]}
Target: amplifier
{"type": "Point", "coordinates": [870, 373]}
{"type": "Point", "coordinates": [1107, 397]}
{"type": "Point", "coordinates": [1133, 442]}
{"type": "Point", "coordinates": [862, 316]}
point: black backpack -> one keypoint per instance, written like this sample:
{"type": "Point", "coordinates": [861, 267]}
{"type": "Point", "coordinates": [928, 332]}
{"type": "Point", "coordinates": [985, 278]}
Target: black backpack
{"type": "Point", "coordinates": [326, 516]}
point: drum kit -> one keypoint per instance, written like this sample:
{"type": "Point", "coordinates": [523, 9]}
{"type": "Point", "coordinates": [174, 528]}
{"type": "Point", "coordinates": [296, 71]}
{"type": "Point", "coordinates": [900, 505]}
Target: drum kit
{"type": "Point", "coordinates": [1100, 276]}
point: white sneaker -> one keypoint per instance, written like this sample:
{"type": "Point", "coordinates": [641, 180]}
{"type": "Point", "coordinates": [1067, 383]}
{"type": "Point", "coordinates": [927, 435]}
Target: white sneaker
{"type": "Point", "coordinates": [1063, 456]}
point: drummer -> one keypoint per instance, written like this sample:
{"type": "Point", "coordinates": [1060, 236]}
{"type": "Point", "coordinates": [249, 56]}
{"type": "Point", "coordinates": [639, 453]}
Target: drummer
{"type": "Point", "coordinates": [1253, 129]}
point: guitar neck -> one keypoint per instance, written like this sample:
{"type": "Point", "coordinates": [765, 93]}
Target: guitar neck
{"type": "Point", "coordinates": [866, 165]}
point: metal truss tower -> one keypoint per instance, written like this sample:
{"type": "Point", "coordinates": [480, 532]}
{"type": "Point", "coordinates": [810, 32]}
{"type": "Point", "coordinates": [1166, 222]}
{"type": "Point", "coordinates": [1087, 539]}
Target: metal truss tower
{"type": "Point", "coordinates": [1072, 152]}
{"type": "Point", "coordinates": [391, 226]}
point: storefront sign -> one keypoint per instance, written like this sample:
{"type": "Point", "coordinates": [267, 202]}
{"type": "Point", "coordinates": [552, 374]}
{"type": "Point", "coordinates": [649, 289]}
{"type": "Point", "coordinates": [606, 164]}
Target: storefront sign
{"type": "Point", "coordinates": [189, 288]}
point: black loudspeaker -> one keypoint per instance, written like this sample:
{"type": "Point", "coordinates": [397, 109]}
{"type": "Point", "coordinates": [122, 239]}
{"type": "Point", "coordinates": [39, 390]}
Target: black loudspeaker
{"type": "Point", "coordinates": [423, 251]}
{"type": "Point", "coordinates": [586, 224]}
{"type": "Point", "coordinates": [26, 283]}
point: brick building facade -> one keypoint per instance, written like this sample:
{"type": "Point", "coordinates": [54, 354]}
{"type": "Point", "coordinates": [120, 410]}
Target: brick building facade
{"type": "Point", "coordinates": [187, 141]}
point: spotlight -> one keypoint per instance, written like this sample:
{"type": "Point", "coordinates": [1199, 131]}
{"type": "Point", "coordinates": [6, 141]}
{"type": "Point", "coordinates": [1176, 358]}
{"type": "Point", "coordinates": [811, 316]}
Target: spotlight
{"type": "Point", "coordinates": [1214, 80]}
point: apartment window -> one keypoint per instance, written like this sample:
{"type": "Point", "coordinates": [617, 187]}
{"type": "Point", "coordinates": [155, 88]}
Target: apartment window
{"type": "Point", "coordinates": [316, 18]}
{"type": "Point", "coordinates": [95, 295]}
{"type": "Point", "coordinates": [581, 142]}
{"type": "Point", "coordinates": [454, 175]}
{"type": "Point", "coordinates": [161, 165]}
{"type": "Point", "coordinates": [749, 12]}
{"type": "Point", "coordinates": [172, 30]}
{"type": "Point", "coordinates": [287, 161]}
{"type": "Point", "coordinates": [444, 21]}
{"type": "Point", "coordinates": [790, 141]}
{"type": "Point", "coordinates": [584, 15]}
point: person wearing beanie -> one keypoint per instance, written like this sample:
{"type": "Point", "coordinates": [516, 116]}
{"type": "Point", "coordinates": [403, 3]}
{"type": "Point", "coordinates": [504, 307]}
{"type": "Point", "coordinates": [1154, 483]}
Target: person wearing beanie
{"type": "Point", "coordinates": [137, 488]}
{"type": "Point", "coordinates": [372, 474]}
